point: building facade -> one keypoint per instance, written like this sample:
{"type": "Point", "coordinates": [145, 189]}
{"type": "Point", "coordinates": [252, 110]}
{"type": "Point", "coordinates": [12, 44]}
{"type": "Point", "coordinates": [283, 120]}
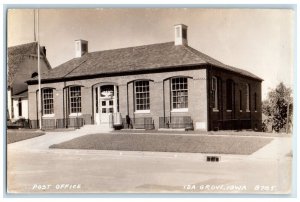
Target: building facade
{"type": "Point", "coordinates": [22, 66]}
{"type": "Point", "coordinates": [166, 85]}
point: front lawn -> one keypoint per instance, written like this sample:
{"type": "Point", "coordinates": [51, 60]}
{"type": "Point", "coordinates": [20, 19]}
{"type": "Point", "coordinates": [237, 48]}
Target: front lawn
{"type": "Point", "coordinates": [167, 143]}
{"type": "Point", "coordinates": [21, 134]}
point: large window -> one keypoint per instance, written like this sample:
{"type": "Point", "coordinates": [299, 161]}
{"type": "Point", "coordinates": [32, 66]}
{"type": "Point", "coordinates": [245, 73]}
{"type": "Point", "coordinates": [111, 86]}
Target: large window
{"type": "Point", "coordinates": [247, 97]}
{"type": "Point", "coordinates": [75, 99]}
{"type": "Point", "coordinates": [214, 91]}
{"type": "Point", "coordinates": [255, 102]}
{"type": "Point", "coordinates": [142, 95]}
{"type": "Point", "coordinates": [229, 94]}
{"type": "Point", "coordinates": [179, 93]}
{"type": "Point", "coordinates": [48, 101]}
{"type": "Point", "coordinates": [241, 101]}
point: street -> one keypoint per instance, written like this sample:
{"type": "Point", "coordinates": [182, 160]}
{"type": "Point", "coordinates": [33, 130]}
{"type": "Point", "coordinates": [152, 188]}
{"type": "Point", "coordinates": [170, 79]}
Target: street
{"type": "Point", "coordinates": [83, 171]}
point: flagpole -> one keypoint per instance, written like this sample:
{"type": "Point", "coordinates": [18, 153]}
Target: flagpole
{"type": "Point", "coordinates": [39, 73]}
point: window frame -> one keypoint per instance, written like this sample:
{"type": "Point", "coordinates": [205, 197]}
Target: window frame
{"type": "Point", "coordinates": [229, 105]}
{"type": "Point", "coordinates": [255, 102]}
{"type": "Point", "coordinates": [175, 93]}
{"type": "Point", "coordinates": [248, 107]}
{"type": "Point", "coordinates": [142, 96]}
{"type": "Point", "coordinates": [50, 100]}
{"type": "Point", "coordinates": [241, 100]}
{"type": "Point", "coordinates": [214, 90]}
{"type": "Point", "coordinates": [73, 100]}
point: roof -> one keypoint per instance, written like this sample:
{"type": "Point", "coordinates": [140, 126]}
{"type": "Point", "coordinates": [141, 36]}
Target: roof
{"type": "Point", "coordinates": [147, 57]}
{"type": "Point", "coordinates": [21, 95]}
{"type": "Point", "coordinates": [17, 54]}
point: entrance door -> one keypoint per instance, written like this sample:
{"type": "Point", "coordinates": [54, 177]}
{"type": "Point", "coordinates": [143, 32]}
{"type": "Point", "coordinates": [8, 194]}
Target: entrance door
{"type": "Point", "coordinates": [106, 110]}
{"type": "Point", "coordinates": [105, 103]}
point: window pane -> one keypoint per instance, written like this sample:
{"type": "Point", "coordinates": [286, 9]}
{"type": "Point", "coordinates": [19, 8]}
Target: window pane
{"type": "Point", "coordinates": [75, 99]}
{"type": "Point", "coordinates": [47, 101]}
{"type": "Point", "coordinates": [229, 94]}
{"type": "Point", "coordinates": [142, 95]}
{"type": "Point", "coordinates": [179, 93]}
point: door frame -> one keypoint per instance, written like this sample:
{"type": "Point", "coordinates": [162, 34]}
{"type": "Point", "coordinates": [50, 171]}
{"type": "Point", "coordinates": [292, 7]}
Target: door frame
{"type": "Point", "coordinates": [97, 116]}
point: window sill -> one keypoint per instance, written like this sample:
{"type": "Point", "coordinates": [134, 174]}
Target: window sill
{"type": "Point", "coordinates": [255, 111]}
{"type": "Point", "coordinates": [241, 110]}
{"type": "Point", "coordinates": [180, 110]}
{"type": "Point", "coordinates": [75, 114]}
{"type": "Point", "coordinates": [215, 110]}
{"type": "Point", "coordinates": [48, 116]}
{"type": "Point", "coordinates": [142, 112]}
{"type": "Point", "coordinates": [248, 111]}
{"type": "Point", "coordinates": [228, 110]}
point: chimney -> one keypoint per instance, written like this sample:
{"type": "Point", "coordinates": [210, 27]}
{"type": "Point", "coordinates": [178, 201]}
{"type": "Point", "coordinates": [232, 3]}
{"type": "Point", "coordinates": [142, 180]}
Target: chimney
{"type": "Point", "coordinates": [81, 47]}
{"type": "Point", "coordinates": [180, 34]}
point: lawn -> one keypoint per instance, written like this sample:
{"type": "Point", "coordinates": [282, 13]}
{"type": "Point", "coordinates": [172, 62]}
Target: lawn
{"type": "Point", "coordinates": [167, 143]}
{"type": "Point", "coordinates": [19, 135]}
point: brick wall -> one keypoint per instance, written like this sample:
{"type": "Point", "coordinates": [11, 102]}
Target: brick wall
{"type": "Point", "coordinates": [159, 98]}
{"type": "Point", "coordinates": [224, 115]}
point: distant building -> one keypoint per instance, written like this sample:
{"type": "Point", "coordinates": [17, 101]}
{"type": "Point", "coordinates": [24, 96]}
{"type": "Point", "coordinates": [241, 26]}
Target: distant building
{"type": "Point", "coordinates": [165, 85]}
{"type": "Point", "coordinates": [22, 66]}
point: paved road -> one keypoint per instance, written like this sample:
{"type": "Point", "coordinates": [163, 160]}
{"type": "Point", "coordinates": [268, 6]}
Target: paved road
{"type": "Point", "coordinates": [33, 168]}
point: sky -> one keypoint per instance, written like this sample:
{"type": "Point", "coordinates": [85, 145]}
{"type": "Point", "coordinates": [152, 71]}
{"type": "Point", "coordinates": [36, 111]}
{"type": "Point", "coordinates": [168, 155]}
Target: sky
{"type": "Point", "coordinates": [258, 40]}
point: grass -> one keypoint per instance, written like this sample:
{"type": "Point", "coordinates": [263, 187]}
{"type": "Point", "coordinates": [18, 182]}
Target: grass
{"type": "Point", "coordinates": [167, 143]}
{"type": "Point", "coordinates": [221, 132]}
{"type": "Point", "coordinates": [19, 135]}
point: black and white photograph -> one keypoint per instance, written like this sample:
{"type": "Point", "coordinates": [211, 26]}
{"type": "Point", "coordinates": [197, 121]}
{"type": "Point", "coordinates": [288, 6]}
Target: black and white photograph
{"type": "Point", "coordinates": [150, 100]}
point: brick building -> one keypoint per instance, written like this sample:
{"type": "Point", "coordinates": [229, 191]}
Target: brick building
{"type": "Point", "coordinates": [21, 66]}
{"type": "Point", "coordinates": [165, 85]}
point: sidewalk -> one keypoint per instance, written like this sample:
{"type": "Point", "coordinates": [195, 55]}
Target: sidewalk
{"type": "Point", "coordinates": [43, 142]}
{"type": "Point", "coordinates": [279, 147]}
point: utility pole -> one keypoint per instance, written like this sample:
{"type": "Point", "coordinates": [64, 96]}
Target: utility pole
{"type": "Point", "coordinates": [39, 72]}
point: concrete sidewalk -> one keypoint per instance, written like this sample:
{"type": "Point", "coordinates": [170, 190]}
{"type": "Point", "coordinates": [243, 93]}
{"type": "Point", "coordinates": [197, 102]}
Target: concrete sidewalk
{"type": "Point", "coordinates": [45, 141]}
{"type": "Point", "coordinates": [279, 147]}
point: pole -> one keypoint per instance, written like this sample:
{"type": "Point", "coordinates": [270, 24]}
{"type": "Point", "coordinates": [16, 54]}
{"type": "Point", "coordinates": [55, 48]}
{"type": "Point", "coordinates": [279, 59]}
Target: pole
{"type": "Point", "coordinates": [39, 73]}
{"type": "Point", "coordinates": [34, 24]}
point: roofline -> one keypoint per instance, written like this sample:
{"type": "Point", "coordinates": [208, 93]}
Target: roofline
{"type": "Point", "coordinates": [122, 73]}
{"type": "Point", "coordinates": [134, 72]}
{"type": "Point", "coordinates": [220, 67]}
{"type": "Point", "coordinates": [34, 42]}
{"type": "Point", "coordinates": [21, 45]}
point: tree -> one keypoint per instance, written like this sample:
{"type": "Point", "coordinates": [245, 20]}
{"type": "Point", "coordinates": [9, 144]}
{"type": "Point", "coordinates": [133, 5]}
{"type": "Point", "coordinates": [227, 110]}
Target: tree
{"type": "Point", "coordinates": [278, 108]}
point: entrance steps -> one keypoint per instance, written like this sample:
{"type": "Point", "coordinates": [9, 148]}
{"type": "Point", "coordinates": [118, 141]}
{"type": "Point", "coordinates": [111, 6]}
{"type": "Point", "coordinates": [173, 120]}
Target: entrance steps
{"type": "Point", "coordinates": [102, 128]}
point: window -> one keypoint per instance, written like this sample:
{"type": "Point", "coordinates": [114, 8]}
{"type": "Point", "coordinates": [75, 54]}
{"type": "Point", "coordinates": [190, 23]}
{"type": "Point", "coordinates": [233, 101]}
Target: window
{"type": "Point", "coordinates": [96, 95]}
{"type": "Point", "coordinates": [179, 93]}
{"type": "Point", "coordinates": [247, 97]}
{"type": "Point", "coordinates": [229, 94]}
{"type": "Point", "coordinates": [241, 101]}
{"type": "Point", "coordinates": [48, 101]}
{"type": "Point", "coordinates": [255, 102]}
{"type": "Point", "coordinates": [75, 99]}
{"type": "Point", "coordinates": [142, 95]}
{"type": "Point", "coordinates": [20, 106]}
{"type": "Point", "coordinates": [214, 91]}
